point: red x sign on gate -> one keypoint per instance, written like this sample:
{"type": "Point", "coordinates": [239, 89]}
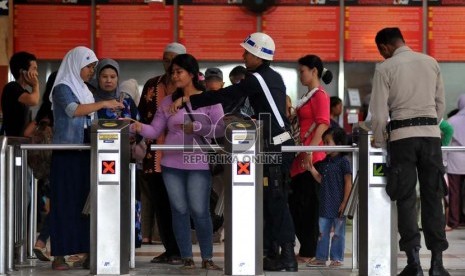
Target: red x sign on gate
{"type": "Point", "coordinates": [108, 167]}
{"type": "Point", "coordinates": [243, 168]}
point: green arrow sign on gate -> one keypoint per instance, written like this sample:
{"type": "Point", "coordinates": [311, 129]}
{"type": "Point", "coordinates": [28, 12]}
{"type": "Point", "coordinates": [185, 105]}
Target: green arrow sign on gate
{"type": "Point", "coordinates": [378, 169]}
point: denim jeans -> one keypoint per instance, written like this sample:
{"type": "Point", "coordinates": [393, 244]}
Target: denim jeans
{"type": "Point", "coordinates": [189, 195]}
{"type": "Point", "coordinates": [337, 242]}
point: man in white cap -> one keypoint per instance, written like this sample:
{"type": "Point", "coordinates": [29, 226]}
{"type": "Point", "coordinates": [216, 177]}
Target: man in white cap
{"type": "Point", "coordinates": [278, 232]}
{"type": "Point", "coordinates": [155, 89]}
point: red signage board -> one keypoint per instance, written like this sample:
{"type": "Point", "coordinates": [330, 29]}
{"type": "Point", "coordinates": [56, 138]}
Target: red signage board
{"type": "Point", "coordinates": [362, 24]}
{"type": "Point", "coordinates": [50, 31]}
{"type": "Point", "coordinates": [446, 39]}
{"type": "Point", "coordinates": [298, 31]}
{"type": "Point", "coordinates": [215, 32]}
{"type": "Point", "coordinates": [133, 32]}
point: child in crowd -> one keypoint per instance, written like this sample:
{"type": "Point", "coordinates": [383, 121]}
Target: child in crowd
{"type": "Point", "coordinates": [335, 176]}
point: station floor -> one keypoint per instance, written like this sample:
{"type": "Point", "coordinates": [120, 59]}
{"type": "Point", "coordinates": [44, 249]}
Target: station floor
{"type": "Point", "coordinates": [454, 261]}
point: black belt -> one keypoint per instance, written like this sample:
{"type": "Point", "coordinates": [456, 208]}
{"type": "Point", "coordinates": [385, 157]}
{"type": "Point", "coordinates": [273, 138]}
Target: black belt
{"type": "Point", "coordinates": [417, 121]}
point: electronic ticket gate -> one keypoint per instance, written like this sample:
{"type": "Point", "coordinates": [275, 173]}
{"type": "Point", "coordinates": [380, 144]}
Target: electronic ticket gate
{"type": "Point", "coordinates": [243, 247]}
{"type": "Point", "coordinates": [110, 198]}
{"type": "Point", "coordinates": [377, 213]}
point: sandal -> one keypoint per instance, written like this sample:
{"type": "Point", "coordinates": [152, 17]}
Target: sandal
{"type": "Point", "coordinates": [336, 264]}
{"type": "Point", "coordinates": [41, 254]}
{"type": "Point", "coordinates": [59, 263]}
{"type": "Point", "coordinates": [316, 263]}
{"type": "Point", "coordinates": [208, 264]}
{"type": "Point", "coordinates": [188, 264]}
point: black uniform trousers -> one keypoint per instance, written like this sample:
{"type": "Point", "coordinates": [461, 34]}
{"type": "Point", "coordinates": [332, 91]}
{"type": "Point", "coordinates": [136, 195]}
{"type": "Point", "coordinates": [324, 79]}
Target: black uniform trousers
{"type": "Point", "coordinates": [408, 157]}
{"type": "Point", "coordinates": [278, 225]}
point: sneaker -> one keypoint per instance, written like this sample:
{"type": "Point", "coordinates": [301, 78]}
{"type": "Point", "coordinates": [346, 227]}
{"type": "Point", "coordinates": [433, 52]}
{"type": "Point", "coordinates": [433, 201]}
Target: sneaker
{"type": "Point", "coordinates": [188, 263]}
{"type": "Point", "coordinates": [316, 263]}
{"type": "Point", "coordinates": [210, 265]}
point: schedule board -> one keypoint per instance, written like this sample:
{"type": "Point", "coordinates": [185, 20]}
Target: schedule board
{"type": "Point", "coordinates": [362, 23]}
{"type": "Point", "coordinates": [298, 31]}
{"type": "Point", "coordinates": [215, 32]}
{"type": "Point", "coordinates": [50, 31]}
{"type": "Point", "coordinates": [446, 30]}
{"type": "Point", "coordinates": [133, 32]}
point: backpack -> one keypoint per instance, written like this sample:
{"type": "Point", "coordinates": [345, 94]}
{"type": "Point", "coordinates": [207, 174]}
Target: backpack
{"type": "Point", "coordinates": [40, 160]}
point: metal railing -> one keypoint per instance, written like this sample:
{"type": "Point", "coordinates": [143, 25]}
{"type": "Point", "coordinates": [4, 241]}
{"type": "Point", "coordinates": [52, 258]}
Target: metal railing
{"type": "Point", "coordinates": [14, 217]}
{"type": "Point", "coordinates": [7, 179]}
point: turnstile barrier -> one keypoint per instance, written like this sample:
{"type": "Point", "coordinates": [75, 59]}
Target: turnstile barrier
{"type": "Point", "coordinates": [377, 213]}
{"type": "Point", "coordinates": [110, 198]}
{"type": "Point", "coordinates": [243, 247]}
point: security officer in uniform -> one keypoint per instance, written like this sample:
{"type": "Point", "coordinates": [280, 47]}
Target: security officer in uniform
{"type": "Point", "coordinates": [408, 88]}
{"type": "Point", "coordinates": [278, 226]}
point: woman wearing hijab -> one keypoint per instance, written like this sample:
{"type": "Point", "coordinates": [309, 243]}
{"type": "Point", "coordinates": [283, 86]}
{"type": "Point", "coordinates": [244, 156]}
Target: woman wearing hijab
{"type": "Point", "coordinates": [455, 168]}
{"type": "Point", "coordinates": [106, 87]}
{"type": "Point", "coordinates": [73, 110]}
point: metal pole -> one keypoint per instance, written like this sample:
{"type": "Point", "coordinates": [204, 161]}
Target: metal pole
{"type": "Point", "coordinates": [355, 169]}
{"type": "Point", "coordinates": [3, 205]}
{"type": "Point", "coordinates": [32, 218]}
{"type": "Point", "coordinates": [55, 147]}
{"type": "Point", "coordinates": [22, 203]}
{"type": "Point", "coordinates": [10, 209]}
{"type": "Point", "coordinates": [132, 262]}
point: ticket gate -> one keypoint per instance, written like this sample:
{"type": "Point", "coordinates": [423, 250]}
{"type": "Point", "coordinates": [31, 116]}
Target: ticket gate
{"type": "Point", "coordinates": [110, 198]}
{"type": "Point", "coordinates": [377, 213]}
{"type": "Point", "coordinates": [243, 247]}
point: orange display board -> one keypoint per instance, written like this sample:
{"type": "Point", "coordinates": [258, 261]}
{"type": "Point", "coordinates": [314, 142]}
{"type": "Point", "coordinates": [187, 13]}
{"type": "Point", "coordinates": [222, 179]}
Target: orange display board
{"type": "Point", "coordinates": [446, 33]}
{"type": "Point", "coordinates": [362, 24]}
{"type": "Point", "coordinates": [215, 32]}
{"type": "Point", "coordinates": [133, 32]}
{"type": "Point", "coordinates": [50, 31]}
{"type": "Point", "coordinates": [298, 31]}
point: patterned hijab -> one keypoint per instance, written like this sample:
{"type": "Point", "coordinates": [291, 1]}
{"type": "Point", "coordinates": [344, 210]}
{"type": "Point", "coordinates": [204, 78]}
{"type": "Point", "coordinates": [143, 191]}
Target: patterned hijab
{"type": "Point", "coordinates": [69, 73]}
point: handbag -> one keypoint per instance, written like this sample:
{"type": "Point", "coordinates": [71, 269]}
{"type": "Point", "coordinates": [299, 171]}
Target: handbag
{"type": "Point", "coordinates": [138, 150]}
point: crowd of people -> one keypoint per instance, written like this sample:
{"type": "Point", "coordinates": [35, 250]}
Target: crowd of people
{"type": "Point", "coordinates": [303, 197]}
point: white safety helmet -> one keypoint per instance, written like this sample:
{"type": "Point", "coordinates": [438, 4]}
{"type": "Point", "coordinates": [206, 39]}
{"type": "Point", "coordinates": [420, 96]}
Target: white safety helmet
{"type": "Point", "coordinates": [260, 45]}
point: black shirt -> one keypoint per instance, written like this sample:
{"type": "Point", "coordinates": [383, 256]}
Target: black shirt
{"type": "Point", "coordinates": [250, 87]}
{"type": "Point", "coordinates": [15, 114]}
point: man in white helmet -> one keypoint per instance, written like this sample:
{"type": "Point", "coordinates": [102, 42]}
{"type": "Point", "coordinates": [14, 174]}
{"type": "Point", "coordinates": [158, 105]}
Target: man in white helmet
{"type": "Point", "coordinates": [278, 226]}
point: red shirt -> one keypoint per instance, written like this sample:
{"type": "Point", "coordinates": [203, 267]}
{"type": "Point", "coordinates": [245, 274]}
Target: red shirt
{"type": "Point", "coordinates": [315, 110]}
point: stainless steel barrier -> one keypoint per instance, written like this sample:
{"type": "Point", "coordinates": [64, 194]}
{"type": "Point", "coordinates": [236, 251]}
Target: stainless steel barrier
{"type": "Point", "coordinates": [3, 205]}
{"type": "Point", "coordinates": [110, 198]}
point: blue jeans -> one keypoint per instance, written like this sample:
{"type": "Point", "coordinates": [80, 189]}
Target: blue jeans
{"type": "Point", "coordinates": [337, 242]}
{"type": "Point", "coordinates": [189, 195]}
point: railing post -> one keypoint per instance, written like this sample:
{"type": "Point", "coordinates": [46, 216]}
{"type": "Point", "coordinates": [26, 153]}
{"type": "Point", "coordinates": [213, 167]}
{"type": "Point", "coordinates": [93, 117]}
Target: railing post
{"type": "Point", "coordinates": [3, 205]}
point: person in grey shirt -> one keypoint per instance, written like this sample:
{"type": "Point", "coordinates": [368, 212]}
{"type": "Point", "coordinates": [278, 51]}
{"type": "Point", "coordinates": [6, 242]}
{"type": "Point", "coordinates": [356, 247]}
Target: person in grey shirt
{"type": "Point", "coordinates": [408, 89]}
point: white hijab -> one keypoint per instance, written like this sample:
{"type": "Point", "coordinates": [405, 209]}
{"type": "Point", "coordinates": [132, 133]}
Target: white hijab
{"type": "Point", "coordinates": [69, 73]}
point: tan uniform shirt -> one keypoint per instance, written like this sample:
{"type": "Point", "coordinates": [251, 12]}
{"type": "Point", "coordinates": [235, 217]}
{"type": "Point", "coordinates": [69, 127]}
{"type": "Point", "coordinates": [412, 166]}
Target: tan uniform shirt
{"type": "Point", "coordinates": [407, 85]}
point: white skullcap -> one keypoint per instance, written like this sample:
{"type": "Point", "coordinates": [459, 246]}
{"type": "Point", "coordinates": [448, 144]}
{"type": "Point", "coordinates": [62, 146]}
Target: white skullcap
{"type": "Point", "coordinates": [176, 48]}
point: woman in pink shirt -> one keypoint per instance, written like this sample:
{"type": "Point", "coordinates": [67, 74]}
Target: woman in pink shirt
{"type": "Point", "coordinates": [313, 113]}
{"type": "Point", "coordinates": [186, 173]}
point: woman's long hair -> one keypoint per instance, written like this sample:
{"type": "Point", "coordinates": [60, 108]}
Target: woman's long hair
{"type": "Point", "coordinates": [190, 64]}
